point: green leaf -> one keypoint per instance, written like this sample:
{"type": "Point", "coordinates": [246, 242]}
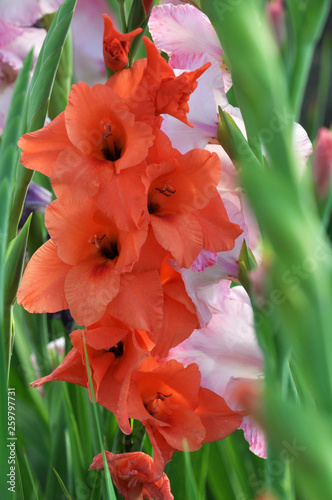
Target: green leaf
{"type": "Point", "coordinates": [302, 437]}
{"type": "Point", "coordinates": [47, 65]}
{"type": "Point", "coordinates": [11, 133]}
{"type": "Point", "coordinates": [247, 262]}
{"type": "Point", "coordinates": [63, 80]}
{"type": "Point", "coordinates": [64, 489]}
{"type": "Point", "coordinates": [39, 96]}
{"type": "Point", "coordinates": [14, 262]}
{"type": "Point", "coordinates": [137, 19]}
{"type": "Point", "coordinates": [234, 143]}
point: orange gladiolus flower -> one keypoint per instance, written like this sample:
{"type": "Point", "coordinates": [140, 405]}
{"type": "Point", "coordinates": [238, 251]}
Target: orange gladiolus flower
{"type": "Point", "coordinates": [151, 88]}
{"type": "Point", "coordinates": [132, 474]}
{"type": "Point", "coordinates": [82, 266]}
{"type": "Point", "coordinates": [172, 406]}
{"type": "Point", "coordinates": [114, 351]}
{"type": "Point", "coordinates": [116, 45]}
{"type": "Point", "coordinates": [89, 146]}
{"type": "Point", "coordinates": [184, 209]}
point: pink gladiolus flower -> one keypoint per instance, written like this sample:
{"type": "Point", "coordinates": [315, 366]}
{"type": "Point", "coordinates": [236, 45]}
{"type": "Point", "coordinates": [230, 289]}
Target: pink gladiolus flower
{"type": "Point", "coordinates": [26, 12]}
{"type": "Point", "coordinates": [174, 28]}
{"type": "Point", "coordinates": [87, 28]}
{"type": "Point", "coordinates": [15, 44]}
{"type": "Point", "coordinates": [226, 351]}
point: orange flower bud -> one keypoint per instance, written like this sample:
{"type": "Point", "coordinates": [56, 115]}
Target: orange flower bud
{"type": "Point", "coordinates": [116, 45]}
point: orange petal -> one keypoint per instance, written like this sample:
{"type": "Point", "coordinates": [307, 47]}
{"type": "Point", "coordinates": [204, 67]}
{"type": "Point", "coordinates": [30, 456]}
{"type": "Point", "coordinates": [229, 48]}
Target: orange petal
{"type": "Point", "coordinates": [218, 419]}
{"type": "Point", "coordinates": [42, 286]}
{"type": "Point", "coordinates": [184, 425]}
{"type": "Point", "coordinates": [178, 324]}
{"type": "Point", "coordinates": [191, 180]}
{"type": "Point", "coordinates": [219, 233]}
{"type": "Point", "coordinates": [88, 110]}
{"type": "Point", "coordinates": [139, 304]}
{"type": "Point", "coordinates": [70, 370]}
{"type": "Point", "coordinates": [64, 224]}
{"type": "Point", "coordinates": [179, 234]}
{"type": "Point", "coordinates": [41, 148]}
{"type": "Point", "coordinates": [76, 177]}
{"type": "Point", "coordinates": [90, 286]}
{"type": "Point", "coordinates": [123, 199]}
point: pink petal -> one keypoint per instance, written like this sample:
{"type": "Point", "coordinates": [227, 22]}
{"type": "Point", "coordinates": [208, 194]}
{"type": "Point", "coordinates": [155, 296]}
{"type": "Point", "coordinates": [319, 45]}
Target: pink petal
{"type": "Point", "coordinates": [205, 259]}
{"type": "Point", "coordinates": [20, 12]}
{"type": "Point", "coordinates": [255, 436]}
{"type": "Point", "coordinates": [176, 28]}
{"type": "Point", "coordinates": [227, 347]}
{"type": "Point", "coordinates": [15, 44]}
{"type": "Point", "coordinates": [302, 146]}
{"type": "Point", "coordinates": [26, 12]}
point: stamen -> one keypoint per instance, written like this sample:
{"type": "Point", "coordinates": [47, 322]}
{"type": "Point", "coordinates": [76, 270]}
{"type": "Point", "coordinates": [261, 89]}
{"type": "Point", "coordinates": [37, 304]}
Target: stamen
{"type": "Point", "coordinates": [166, 191]}
{"type": "Point", "coordinates": [156, 406]}
{"type": "Point", "coordinates": [96, 240]}
{"type": "Point", "coordinates": [163, 396]}
{"type": "Point", "coordinates": [108, 130]}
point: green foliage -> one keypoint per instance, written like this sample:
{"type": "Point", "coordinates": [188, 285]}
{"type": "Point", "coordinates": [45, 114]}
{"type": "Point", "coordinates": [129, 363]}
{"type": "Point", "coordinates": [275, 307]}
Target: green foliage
{"type": "Point", "coordinates": [39, 95]}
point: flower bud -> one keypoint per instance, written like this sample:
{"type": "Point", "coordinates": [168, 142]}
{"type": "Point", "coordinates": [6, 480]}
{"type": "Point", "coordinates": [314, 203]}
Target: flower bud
{"type": "Point", "coordinates": [276, 15]}
{"type": "Point", "coordinates": [322, 162]}
{"type": "Point", "coordinates": [116, 45]}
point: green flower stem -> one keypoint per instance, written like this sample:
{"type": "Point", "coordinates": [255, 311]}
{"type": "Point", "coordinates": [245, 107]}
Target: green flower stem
{"type": "Point", "coordinates": [109, 484]}
{"type": "Point", "coordinates": [122, 11]}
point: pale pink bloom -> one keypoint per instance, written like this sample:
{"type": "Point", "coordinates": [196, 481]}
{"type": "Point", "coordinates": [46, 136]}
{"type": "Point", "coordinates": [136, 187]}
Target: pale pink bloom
{"type": "Point", "coordinates": [322, 161]}
{"type": "Point", "coordinates": [184, 28]}
{"type": "Point", "coordinates": [88, 27]}
{"type": "Point", "coordinates": [26, 12]}
{"type": "Point", "coordinates": [15, 44]}
{"type": "Point", "coordinates": [226, 351]}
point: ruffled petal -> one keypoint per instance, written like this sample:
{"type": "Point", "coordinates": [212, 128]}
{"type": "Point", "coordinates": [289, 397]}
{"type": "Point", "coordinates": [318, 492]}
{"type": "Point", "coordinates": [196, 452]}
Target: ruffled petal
{"type": "Point", "coordinates": [90, 286]}
{"type": "Point", "coordinates": [179, 234]}
{"type": "Point", "coordinates": [218, 419]}
{"type": "Point", "coordinates": [255, 436]}
{"type": "Point", "coordinates": [42, 286]}
{"type": "Point", "coordinates": [40, 149]}
{"type": "Point", "coordinates": [175, 28]}
{"type": "Point", "coordinates": [140, 302]}
{"type": "Point", "coordinates": [70, 370]}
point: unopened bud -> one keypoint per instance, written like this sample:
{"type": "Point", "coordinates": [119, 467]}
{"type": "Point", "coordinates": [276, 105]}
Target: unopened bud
{"type": "Point", "coordinates": [276, 15]}
{"type": "Point", "coordinates": [322, 162]}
